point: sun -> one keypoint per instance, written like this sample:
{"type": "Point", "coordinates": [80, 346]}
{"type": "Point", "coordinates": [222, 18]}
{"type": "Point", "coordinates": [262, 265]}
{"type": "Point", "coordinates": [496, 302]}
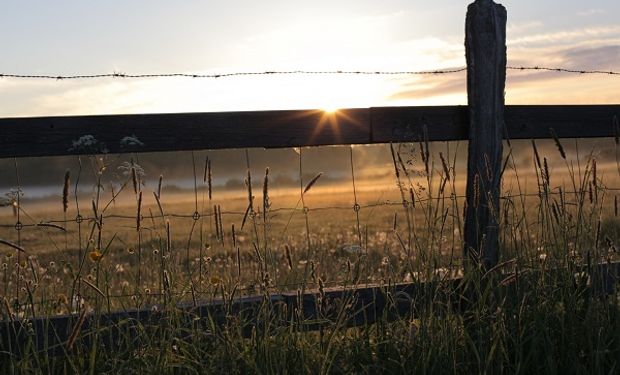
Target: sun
{"type": "Point", "coordinates": [330, 110]}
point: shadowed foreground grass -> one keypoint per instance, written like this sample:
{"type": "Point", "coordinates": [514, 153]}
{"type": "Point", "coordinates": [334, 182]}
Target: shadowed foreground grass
{"type": "Point", "coordinates": [538, 322]}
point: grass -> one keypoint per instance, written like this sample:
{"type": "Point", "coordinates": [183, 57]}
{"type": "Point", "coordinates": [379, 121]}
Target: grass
{"type": "Point", "coordinates": [540, 311]}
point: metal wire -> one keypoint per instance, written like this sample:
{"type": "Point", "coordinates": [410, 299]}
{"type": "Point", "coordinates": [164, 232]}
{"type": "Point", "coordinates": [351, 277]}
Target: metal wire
{"type": "Point", "coordinates": [290, 72]}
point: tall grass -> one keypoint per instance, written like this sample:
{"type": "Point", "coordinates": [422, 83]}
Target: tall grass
{"type": "Point", "coordinates": [543, 309]}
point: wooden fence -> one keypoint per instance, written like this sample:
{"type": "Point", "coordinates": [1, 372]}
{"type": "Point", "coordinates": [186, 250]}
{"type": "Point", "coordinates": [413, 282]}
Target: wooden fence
{"type": "Point", "coordinates": [485, 121]}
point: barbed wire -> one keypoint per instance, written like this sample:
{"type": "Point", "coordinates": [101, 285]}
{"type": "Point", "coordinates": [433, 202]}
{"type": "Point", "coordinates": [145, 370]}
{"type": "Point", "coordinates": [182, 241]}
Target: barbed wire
{"type": "Point", "coordinates": [292, 72]}
{"type": "Point", "coordinates": [386, 203]}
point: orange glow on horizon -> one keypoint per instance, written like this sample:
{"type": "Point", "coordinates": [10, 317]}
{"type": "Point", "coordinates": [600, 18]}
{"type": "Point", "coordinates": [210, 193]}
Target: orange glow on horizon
{"type": "Point", "coordinates": [330, 110]}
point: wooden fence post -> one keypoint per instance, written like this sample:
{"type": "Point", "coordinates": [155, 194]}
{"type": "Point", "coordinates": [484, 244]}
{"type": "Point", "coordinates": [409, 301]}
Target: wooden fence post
{"type": "Point", "coordinates": [485, 45]}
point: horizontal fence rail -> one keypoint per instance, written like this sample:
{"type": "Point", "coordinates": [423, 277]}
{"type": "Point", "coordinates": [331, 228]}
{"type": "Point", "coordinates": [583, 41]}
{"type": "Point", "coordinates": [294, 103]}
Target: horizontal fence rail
{"type": "Point", "coordinates": [357, 306]}
{"type": "Point", "coordinates": [71, 135]}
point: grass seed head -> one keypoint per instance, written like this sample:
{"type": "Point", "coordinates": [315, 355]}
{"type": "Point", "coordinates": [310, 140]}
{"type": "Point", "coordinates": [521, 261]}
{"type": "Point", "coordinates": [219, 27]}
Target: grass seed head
{"type": "Point", "coordinates": [65, 191]}
{"type": "Point", "coordinates": [312, 182]}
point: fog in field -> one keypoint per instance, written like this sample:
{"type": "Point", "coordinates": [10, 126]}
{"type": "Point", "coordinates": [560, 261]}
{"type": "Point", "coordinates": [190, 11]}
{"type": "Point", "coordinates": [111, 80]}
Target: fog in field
{"type": "Point", "coordinates": [183, 173]}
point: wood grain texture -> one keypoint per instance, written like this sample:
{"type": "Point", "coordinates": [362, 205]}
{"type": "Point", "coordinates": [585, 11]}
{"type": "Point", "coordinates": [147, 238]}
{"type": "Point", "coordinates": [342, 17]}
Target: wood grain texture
{"type": "Point", "coordinates": [485, 49]}
{"type": "Point", "coordinates": [50, 136]}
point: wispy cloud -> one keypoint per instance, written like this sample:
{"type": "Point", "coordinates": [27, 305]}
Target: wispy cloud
{"type": "Point", "coordinates": [566, 36]}
{"type": "Point", "coordinates": [528, 86]}
{"type": "Point", "coordinates": [590, 12]}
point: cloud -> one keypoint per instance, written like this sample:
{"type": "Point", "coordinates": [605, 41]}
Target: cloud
{"type": "Point", "coordinates": [521, 82]}
{"type": "Point", "coordinates": [566, 36]}
{"type": "Point", "coordinates": [590, 12]}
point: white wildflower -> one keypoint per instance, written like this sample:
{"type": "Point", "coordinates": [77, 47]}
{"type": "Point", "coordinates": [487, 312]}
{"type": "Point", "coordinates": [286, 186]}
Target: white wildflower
{"type": "Point", "coordinates": [131, 141]}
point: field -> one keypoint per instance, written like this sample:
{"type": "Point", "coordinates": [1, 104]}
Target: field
{"type": "Point", "coordinates": [132, 244]}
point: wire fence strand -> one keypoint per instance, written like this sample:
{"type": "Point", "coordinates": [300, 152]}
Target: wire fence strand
{"type": "Point", "coordinates": [293, 72]}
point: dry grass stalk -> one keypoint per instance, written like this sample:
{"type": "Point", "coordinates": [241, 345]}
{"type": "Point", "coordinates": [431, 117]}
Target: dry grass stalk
{"type": "Point", "coordinates": [65, 191]}
{"type": "Point", "coordinates": [555, 211]}
{"type": "Point", "coordinates": [257, 253]}
{"type": "Point", "coordinates": [446, 169]}
{"type": "Point", "coordinates": [476, 190]}
{"type": "Point", "coordinates": [217, 224]}
{"type": "Point", "coordinates": [93, 287]}
{"type": "Point", "coordinates": [9, 311]}
{"type": "Point", "coordinates": [248, 183]}
{"type": "Point", "coordinates": [487, 167]}
{"type": "Point", "coordinates": [50, 225]}
{"type": "Point", "coordinates": [206, 170]}
{"type": "Point", "coordinates": [245, 216]}
{"type": "Point", "coordinates": [546, 175]}
{"type": "Point", "coordinates": [11, 244]}
{"type": "Point", "coordinates": [312, 271]}
{"type": "Point", "coordinates": [139, 213]}
{"type": "Point", "coordinates": [94, 207]}
{"type": "Point", "coordinates": [594, 174]}
{"type": "Point", "coordinates": [394, 160]}
{"type": "Point", "coordinates": [161, 209]}
{"type": "Point", "coordinates": [558, 143]}
{"type": "Point", "coordinates": [425, 154]}
{"type": "Point", "coordinates": [289, 259]}
{"type": "Point", "coordinates": [134, 180]}
{"type": "Point", "coordinates": [234, 236]}
{"type": "Point", "coordinates": [312, 182]}
{"type": "Point", "coordinates": [161, 178]}
{"type": "Point", "coordinates": [536, 155]}
{"type": "Point", "coordinates": [76, 330]}
{"type": "Point", "coordinates": [209, 179]}
{"type": "Point", "coordinates": [266, 195]}
{"type": "Point", "coordinates": [402, 164]}
{"type": "Point", "coordinates": [220, 221]}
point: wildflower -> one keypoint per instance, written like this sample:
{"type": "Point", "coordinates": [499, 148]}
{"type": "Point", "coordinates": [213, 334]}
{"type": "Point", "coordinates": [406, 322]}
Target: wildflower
{"type": "Point", "coordinates": [130, 250]}
{"type": "Point", "coordinates": [147, 291]}
{"type": "Point", "coordinates": [131, 141]}
{"type": "Point", "coordinates": [95, 256]}
{"type": "Point", "coordinates": [155, 252]}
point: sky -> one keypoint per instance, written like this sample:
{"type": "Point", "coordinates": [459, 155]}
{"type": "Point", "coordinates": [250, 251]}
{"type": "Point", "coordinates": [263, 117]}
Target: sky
{"type": "Point", "coordinates": [87, 37]}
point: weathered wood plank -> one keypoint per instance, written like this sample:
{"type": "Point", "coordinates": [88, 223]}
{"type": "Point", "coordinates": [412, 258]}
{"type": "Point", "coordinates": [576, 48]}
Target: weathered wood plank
{"type": "Point", "coordinates": [485, 49]}
{"type": "Point", "coordinates": [50, 136]}
{"type": "Point", "coordinates": [365, 305]}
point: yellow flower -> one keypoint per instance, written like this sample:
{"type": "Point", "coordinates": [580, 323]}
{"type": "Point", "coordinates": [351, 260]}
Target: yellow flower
{"type": "Point", "coordinates": [95, 255]}
{"type": "Point", "coordinates": [215, 280]}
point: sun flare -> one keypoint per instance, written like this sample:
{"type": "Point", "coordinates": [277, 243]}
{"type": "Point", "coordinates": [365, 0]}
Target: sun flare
{"type": "Point", "coordinates": [330, 110]}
